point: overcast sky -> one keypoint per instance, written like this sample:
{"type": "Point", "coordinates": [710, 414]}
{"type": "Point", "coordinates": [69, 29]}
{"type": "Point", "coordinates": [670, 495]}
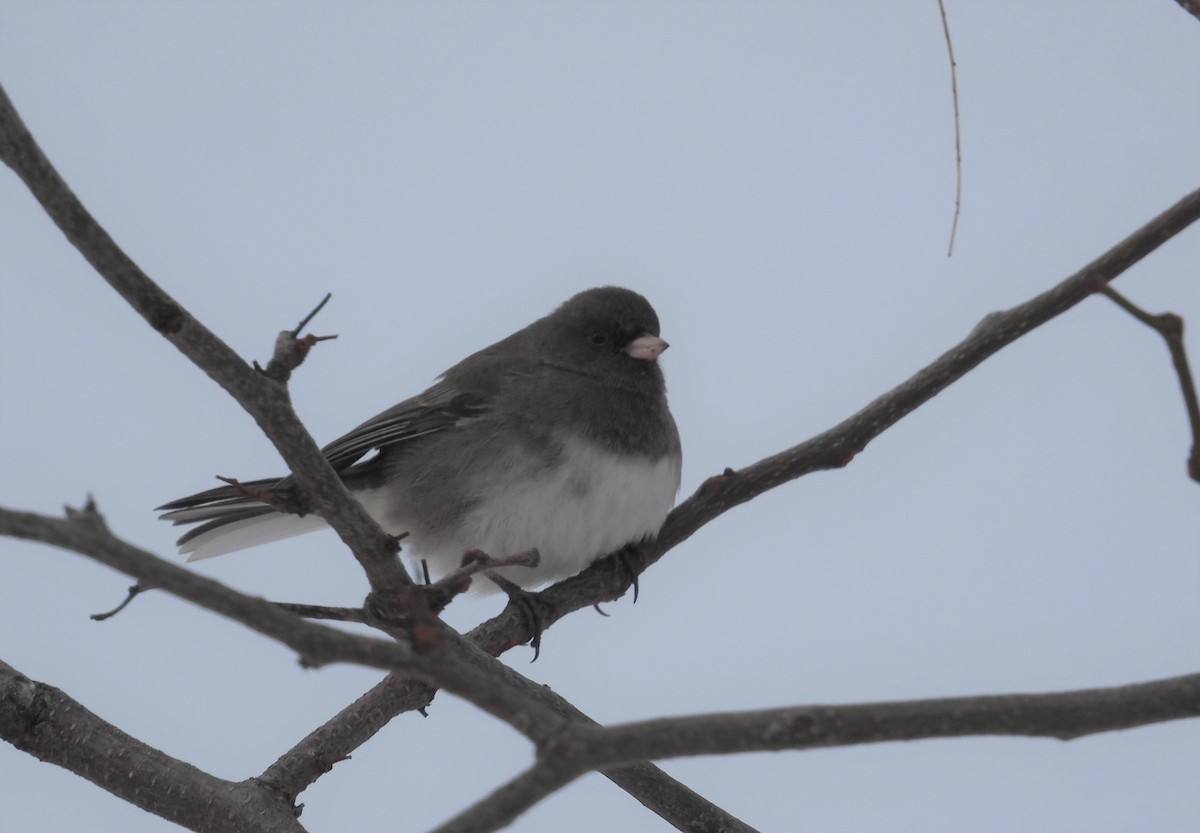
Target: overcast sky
{"type": "Point", "coordinates": [778, 179]}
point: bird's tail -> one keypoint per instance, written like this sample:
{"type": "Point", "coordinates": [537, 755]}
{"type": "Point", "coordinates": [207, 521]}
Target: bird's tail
{"type": "Point", "coordinates": [231, 521]}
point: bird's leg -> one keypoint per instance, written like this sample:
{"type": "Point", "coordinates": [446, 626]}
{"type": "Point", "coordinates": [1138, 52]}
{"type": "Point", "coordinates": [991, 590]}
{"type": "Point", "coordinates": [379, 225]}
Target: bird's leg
{"type": "Point", "coordinates": [438, 594]}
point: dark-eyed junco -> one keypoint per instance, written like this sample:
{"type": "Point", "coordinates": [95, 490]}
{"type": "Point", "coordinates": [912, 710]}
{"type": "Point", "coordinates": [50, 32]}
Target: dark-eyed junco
{"type": "Point", "coordinates": [557, 437]}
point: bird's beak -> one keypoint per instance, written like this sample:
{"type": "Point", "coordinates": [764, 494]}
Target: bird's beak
{"type": "Point", "coordinates": [647, 347]}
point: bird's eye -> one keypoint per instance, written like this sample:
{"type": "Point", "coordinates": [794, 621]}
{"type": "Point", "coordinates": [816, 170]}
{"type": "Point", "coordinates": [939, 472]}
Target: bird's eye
{"type": "Point", "coordinates": [598, 338]}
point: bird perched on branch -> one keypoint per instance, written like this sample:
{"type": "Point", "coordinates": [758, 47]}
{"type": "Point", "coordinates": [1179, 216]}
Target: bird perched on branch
{"type": "Point", "coordinates": [557, 438]}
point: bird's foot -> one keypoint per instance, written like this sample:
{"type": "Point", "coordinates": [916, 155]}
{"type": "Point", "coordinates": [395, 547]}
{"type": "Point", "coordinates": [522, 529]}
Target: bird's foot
{"type": "Point", "coordinates": [528, 605]}
{"type": "Point", "coordinates": [629, 562]}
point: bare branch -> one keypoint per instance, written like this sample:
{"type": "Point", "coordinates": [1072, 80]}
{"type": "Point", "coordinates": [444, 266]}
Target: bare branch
{"type": "Point", "coordinates": [263, 398]}
{"type": "Point", "coordinates": [1064, 715]}
{"type": "Point", "coordinates": [46, 723]}
{"type": "Point", "coordinates": [269, 404]}
{"type": "Point", "coordinates": [291, 350]}
{"type": "Point", "coordinates": [304, 322]}
{"type": "Point", "coordinates": [502, 807]}
{"type": "Point", "coordinates": [454, 663]}
{"type": "Point", "coordinates": [333, 741]}
{"type": "Point", "coordinates": [437, 655]}
{"type": "Point", "coordinates": [839, 445]}
{"type": "Point", "coordinates": [316, 645]}
{"type": "Point", "coordinates": [836, 447]}
{"type": "Point", "coordinates": [357, 723]}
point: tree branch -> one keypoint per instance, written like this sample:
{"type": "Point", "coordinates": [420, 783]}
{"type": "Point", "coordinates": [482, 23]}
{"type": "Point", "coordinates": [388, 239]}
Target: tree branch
{"type": "Point", "coordinates": [268, 403]}
{"type": "Point", "coordinates": [332, 742]}
{"type": "Point", "coordinates": [437, 655]}
{"type": "Point", "coordinates": [1170, 327]}
{"type": "Point", "coordinates": [41, 720]}
{"type": "Point", "coordinates": [83, 531]}
{"type": "Point", "coordinates": [1063, 715]}
{"type": "Point", "coordinates": [838, 446]}
{"type": "Point", "coordinates": [453, 663]}
{"type": "Point", "coordinates": [833, 448]}
{"type": "Point", "coordinates": [264, 398]}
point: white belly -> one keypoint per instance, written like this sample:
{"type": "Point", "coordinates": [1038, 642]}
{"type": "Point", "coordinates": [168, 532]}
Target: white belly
{"type": "Point", "coordinates": [590, 505]}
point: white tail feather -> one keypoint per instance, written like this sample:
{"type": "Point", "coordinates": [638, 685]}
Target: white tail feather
{"type": "Point", "coordinates": [251, 532]}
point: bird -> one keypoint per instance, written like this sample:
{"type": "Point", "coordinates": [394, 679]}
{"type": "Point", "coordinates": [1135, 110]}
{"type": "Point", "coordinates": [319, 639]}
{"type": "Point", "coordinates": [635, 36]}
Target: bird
{"type": "Point", "coordinates": [557, 438]}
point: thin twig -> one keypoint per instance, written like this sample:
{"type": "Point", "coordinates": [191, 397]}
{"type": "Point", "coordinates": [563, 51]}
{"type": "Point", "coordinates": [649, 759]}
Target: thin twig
{"type": "Point", "coordinates": [304, 321]}
{"type": "Point", "coordinates": [1170, 327]}
{"type": "Point", "coordinates": [291, 350]}
{"type": "Point", "coordinates": [134, 591]}
{"type": "Point", "coordinates": [957, 128]}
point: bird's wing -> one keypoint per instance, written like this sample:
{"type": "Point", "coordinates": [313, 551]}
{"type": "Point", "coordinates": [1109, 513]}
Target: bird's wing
{"type": "Point", "coordinates": [442, 406]}
{"type": "Point", "coordinates": [465, 392]}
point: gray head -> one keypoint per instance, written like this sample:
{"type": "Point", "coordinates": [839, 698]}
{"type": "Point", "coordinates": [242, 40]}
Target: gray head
{"type": "Point", "coordinates": [607, 327]}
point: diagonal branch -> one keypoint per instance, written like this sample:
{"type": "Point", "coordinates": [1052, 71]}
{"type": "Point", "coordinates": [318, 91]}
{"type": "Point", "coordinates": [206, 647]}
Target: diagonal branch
{"type": "Point", "coordinates": [1063, 715]}
{"type": "Point", "coordinates": [451, 661]}
{"type": "Point", "coordinates": [263, 397]}
{"type": "Point", "coordinates": [834, 448]}
{"type": "Point", "coordinates": [838, 446]}
{"type": "Point", "coordinates": [42, 721]}
{"type": "Point", "coordinates": [439, 656]}
{"type": "Point", "coordinates": [267, 401]}
{"type": "Point", "coordinates": [84, 532]}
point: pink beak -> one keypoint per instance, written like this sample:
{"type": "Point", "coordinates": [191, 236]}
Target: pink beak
{"type": "Point", "coordinates": [647, 347]}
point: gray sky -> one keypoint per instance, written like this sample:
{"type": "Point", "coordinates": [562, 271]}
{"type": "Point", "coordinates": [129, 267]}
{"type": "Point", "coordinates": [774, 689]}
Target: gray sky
{"type": "Point", "coordinates": [778, 180]}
